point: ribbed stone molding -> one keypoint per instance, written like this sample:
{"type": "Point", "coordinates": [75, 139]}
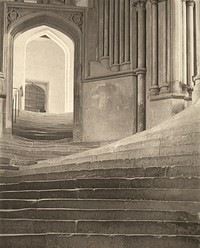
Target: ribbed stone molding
{"type": "Point", "coordinates": [114, 34]}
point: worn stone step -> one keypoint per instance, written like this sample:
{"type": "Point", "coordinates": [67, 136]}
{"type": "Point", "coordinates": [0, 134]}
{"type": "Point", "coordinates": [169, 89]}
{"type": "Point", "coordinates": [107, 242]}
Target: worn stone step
{"type": "Point", "coordinates": [134, 194]}
{"type": "Point", "coordinates": [192, 207]}
{"type": "Point", "coordinates": [4, 160]}
{"type": "Point", "coordinates": [129, 172]}
{"type": "Point", "coordinates": [9, 168]}
{"type": "Point", "coordinates": [97, 214]}
{"type": "Point", "coordinates": [175, 183]}
{"type": "Point", "coordinates": [11, 226]}
{"type": "Point", "coordinates": [97, 241]}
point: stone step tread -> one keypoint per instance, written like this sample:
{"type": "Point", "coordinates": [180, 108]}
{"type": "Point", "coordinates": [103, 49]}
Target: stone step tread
{"type": "Point", "coordinates": [99, 189]}
{"type": "Point", "coordinates": [127, 193]}
{"type": "Point", "coordinates": [99, 221]}
{"type": "Point", "coordinates": [100, 214]}
{"type": "Point", "coordinates": [71, 240]}
{"type": "Point", "coordinates": [8, 167]}
{"type": "Point", "coordinates": [192, 207]}
{"type": "Point", "coordinates": [128, 172]}
{"type": "Point", "coordinates": [139, 182]}
{"type": "Point", "coordinates": [100, 226]}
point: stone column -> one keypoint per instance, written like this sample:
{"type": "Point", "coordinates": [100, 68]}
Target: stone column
{"type": "Point", "coordinates": [174, 65]}
{"type": "Point", "coordinates": [101, 29]}
{"type": "Point", "coordinates": [141, 70]}
{"type": "Point", "coordinates": [162, 51]}
{"type": "Point", "coordinates": [111, 32]}
{"type": "Point", "coordinates": [116, 65]}
{"type": "Point", "coordinates": [105, 58]}
{"type": "Point", "coordinates": [122, 32]}
{"type": "Point", "coordinates": [2, 104]}
{"type": "Point", "coordinates": [196, 92]}
{"type": "Point", "coordinates": [126, 63]}
{"type": "Point", "coordinates": [154, 90]}
{"type": "Point", "coordinates": [190, 41]}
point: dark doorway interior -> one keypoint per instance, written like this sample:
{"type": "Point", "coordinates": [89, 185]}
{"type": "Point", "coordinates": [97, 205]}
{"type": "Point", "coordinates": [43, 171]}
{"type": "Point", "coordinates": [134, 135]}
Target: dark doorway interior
{"type": "Point", "coordinates": [34, 98]}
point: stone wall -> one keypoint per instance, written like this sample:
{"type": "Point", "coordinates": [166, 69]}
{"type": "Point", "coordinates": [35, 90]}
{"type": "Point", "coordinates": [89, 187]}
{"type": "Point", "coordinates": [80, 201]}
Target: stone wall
{"type": "Point", "coordinates": [109, 108]}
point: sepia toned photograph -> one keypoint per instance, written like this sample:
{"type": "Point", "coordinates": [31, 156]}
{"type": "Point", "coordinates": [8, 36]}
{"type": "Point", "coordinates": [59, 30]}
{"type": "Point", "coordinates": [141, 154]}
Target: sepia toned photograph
{"type": "Point", "coordinates": [100, 124]}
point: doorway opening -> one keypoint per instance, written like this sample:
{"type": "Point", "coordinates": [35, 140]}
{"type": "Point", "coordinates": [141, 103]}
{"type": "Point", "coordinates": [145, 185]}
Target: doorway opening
{"type": "Point", "coordinates": [43, 84]}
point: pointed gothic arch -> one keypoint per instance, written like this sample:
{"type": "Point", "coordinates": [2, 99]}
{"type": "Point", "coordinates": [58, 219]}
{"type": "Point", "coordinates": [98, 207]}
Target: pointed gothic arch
{"type": "Point", "coordinates": [68, 28]}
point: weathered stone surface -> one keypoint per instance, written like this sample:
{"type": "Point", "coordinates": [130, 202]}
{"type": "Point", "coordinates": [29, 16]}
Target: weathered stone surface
{"type": "Point", "coordinates": [96, 214]}
{"type": "Point", "coordinates": [97, 241]}
{"type": "Point", "coordinates": [156, 182]}
{"type": "Point", "coordinates": [11, 226]}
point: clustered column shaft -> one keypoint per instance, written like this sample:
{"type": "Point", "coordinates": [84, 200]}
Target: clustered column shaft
{"type": "Point", "coordinates": [114, 34]}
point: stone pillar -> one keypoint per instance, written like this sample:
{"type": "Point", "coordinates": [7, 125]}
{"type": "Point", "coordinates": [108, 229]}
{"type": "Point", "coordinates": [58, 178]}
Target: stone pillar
{"type": "Point", "coordinates": [184, 44]}
{"type": "Point", "coordinates": [111, 32]}
{"type": "Point", "coordinates": [154, 90]}
{"type": "Point", "coordinates": [105, 58]}
{"type": "Point", "coordinates": [122, 32]}
{"type": "Point", "coordinates": [101, 29]}
{"type": "Point", "coordinates": [2, 104]}
{"type": "Point", "coordinates": [126, 64]}
{"type": "Point", "coordinates": [190, 41]}
{"type": "Point", "coordinates": [162, 47]}
{"type": "Point", "coordinates": [141, 70]}
{"type": "Point", "coordinates": [196, 92]}
{"type": "Point", "coordinates": [116, 66]}
{"type": "Point", "coordinates": [174, 66]}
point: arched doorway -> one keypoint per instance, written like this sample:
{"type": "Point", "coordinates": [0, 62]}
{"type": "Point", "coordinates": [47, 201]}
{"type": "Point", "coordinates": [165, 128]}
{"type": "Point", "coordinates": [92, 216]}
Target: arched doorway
{"type": "Point", "coordinates": [67, 28]}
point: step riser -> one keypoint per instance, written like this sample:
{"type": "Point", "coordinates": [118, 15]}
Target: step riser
{"type": "Point", "coordinates": [101, 204]}
{"type": "Point", "coordinates": [106, 227]}
{"type": "Point", "coordinates": [80, 241]}
{"type": "Point", "coordinates": [177, 171]}
{"type": "Point", "coordinates": [177, 183]}
{"type": "Point", "coordinates": [132, 194]}
{"type": "Point", "coordinates": [57, 214]}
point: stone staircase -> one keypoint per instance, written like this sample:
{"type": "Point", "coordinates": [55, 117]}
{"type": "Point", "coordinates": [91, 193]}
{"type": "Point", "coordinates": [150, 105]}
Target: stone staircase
{"type": "Point", "coordinates": [20, 151]}
{"type": "Point", "coordinates": [43, 126]}
{"type": "Point", "coordinates": [143, 191]}
{"type": "Point", "coordinates": [112, 207]}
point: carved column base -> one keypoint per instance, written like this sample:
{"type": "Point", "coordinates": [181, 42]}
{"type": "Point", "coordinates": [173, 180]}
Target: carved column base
{"type": "Point", "coordinates": [176, 87]}
{"type": "Point", "coordinates": [125, 66]}
{"type": "Point", "coordinates": [115, 67]}
{"type": "Point", "coordinates": [105, 61]}
{"type": "Point", "coordinates": [184, 88]}
{"type": "Point", "coordinates": [164, 88]}
{"type": "Point", "coordinates": [154, 90]}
